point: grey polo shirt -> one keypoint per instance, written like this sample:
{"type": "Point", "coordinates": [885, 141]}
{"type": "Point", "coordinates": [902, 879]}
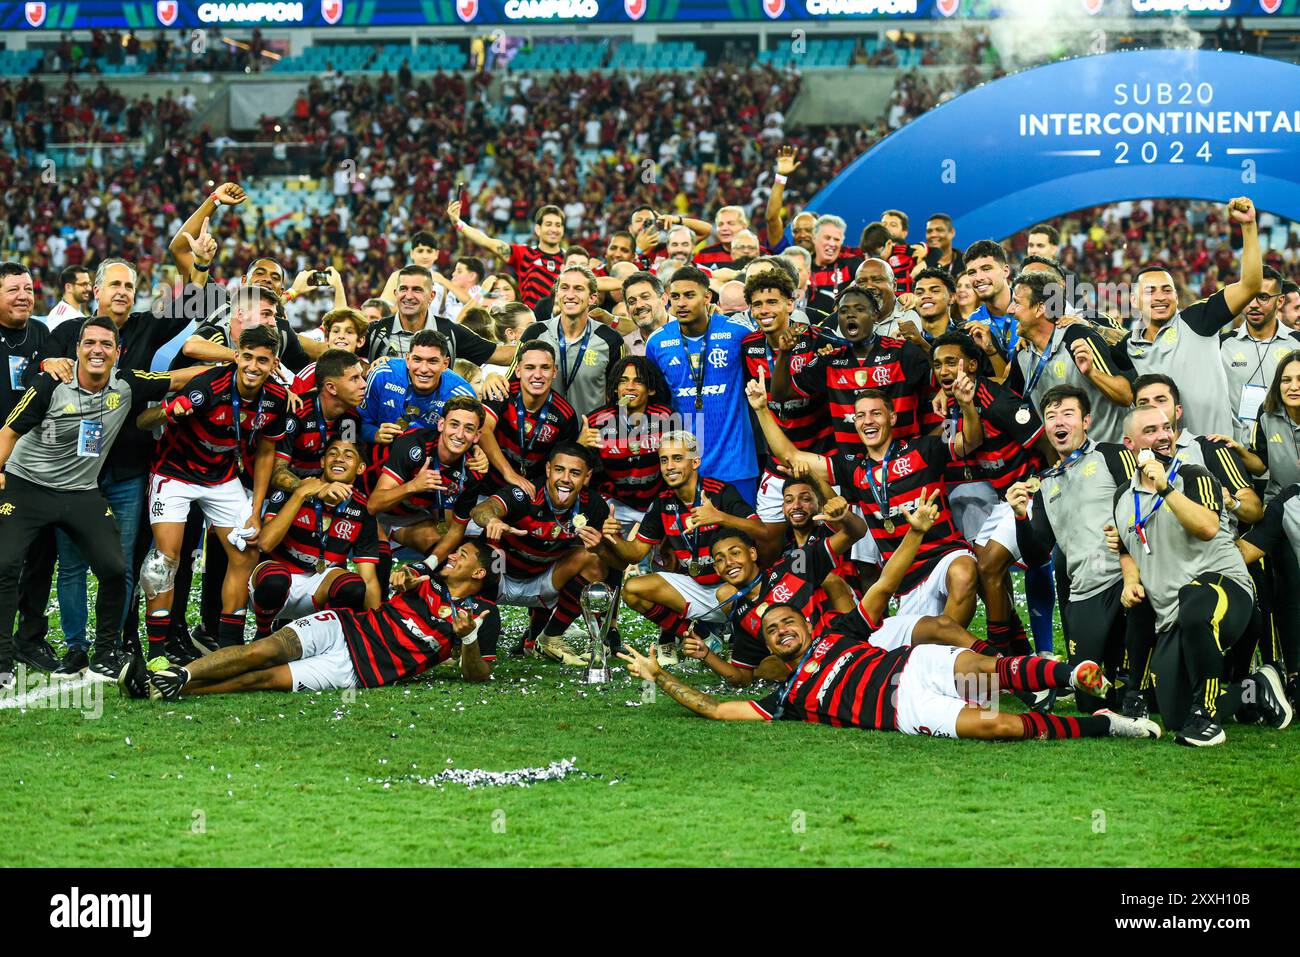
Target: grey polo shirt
{"type": "Point", "coordinates": [49, 417]}
{"type": "Point", "coordinates": [1177, 557]}
{"type": "Point", "coordinates": [581, 368]}
{"type": "Point", "coordinates": [1276, 440]}
{"type": "Point", "coordinates": [1060, 369]}
{"type": "Point", "coordinates": [1187, 350]}
{"type": "Point", "coordinates": [1252, 362]}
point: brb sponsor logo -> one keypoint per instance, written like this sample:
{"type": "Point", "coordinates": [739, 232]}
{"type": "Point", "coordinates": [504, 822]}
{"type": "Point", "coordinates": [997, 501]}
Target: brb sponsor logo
{"type": "Point", "coordinates": [77, 910]}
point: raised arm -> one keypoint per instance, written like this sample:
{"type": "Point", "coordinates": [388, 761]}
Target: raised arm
{"type": "Point", "coordinates": [778, 443]}
{"type": "Point", "coordinates": [193, 246]}
{"type": "Point", "coordinates": [474, 235]}
{"type": "Point", "coordinates": [786, 163]}
{"type": "Point", "coordinates": [876, 600]}
{"type": "Point", "coordinates": [1237, 295]}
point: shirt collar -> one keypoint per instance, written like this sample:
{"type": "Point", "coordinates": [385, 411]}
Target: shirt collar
{"type": "Point", "coordinates": [1243, 334]}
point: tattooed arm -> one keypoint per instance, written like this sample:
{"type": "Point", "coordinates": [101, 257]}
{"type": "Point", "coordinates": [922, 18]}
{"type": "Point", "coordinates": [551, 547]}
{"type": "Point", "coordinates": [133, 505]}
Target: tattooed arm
{"type": "Point", "coordinates": [702, 704]}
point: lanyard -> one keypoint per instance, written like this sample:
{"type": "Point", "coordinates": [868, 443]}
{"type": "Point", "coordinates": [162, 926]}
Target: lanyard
{"type": "Point", "coordinates": [698, 376]}
{"type": "Point", "coordinates": [1140, 523]}
{"type": "Point", "coordinates": [788, 684]}
{"type": "Point", "coordinates": [1038, 369]}
{"type": "Point", "coordinates": [881, 493]}
{"type": "Point", "coordinates": [322, 529]}
{"type": "Point", "coordinates": [525, 439]}
{"type": "Point", "coordinates": [734, 600]}
{"type": "Point", "coordinates": [460, 483]}
{"type": "Point", "coordinates": [445, 594]}
{"type": "Point", "coordinates": [1070, 459]}
{"type": "Point", "coordinates": [321, 424]}
{"type": "Point", "coordinates": [693, 542]}
{"type": "Point", "coordinates": [567, 526]}
{"type": "Point", "coordinates": [565, 378]}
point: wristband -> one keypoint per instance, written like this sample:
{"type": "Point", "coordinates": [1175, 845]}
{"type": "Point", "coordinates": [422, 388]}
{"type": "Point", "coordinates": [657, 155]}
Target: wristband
{"type": "Point", "coordinates": [460, 225]}
{"type": "Point", "coordinates": [470, 638]}
{"type": "Point", "coordinates": [215, 199]}
{"type": "Point", "coordinates": [289, 295]}
{"type": "Point", "coordinates": [201, 267]}
{"type": "Point", "coordinates": [782, 179]}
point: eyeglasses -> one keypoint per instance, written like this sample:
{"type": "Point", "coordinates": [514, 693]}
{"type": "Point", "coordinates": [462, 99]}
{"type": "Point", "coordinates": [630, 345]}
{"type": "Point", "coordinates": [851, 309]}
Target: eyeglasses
{"type": "Point", "coordinates": [1264, 298]}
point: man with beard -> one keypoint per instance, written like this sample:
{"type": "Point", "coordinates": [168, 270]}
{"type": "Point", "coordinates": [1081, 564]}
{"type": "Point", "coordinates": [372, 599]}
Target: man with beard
{"type": "Point", "coordinates": [1182, 559]}
{"type": "Point", "coordinates": [897, 322]}
{"type": "Point", "coordinates": [805, 576]}
{"type": "Point", "coordinates": [801, 227]}
{"type": "Point", "coordinates": [939, 250]}
{"type": "Point", "coordinates": [414, 294]}
{"type": "Point", "coordinates": [833, 268]}
{"type": "Point", "coordinates": [986, 264]}
{"type": "Point", "coordinates": [75, 283]}
{"type": "Point", "coordinates": [434, 617]}
{"type": "Point", "coordinates": [309, 541]}
{"type": "Point", "coordinates": [552, 546]}
{"type": "Point", "coordinates": [586, 348]}
{"type": "Point", "coordinates": [326, 413]}
{"type": "Point", "coordinates": [1184, 344]}
{"type": "Point", "coordinates": [839, 677]}
{"type": "Point", "coordinates": [893, 474]}
{"type": "Point", "coordinates": [1250, 354]}
{"type": "Point", "coordinates": [643, 295]}
{"type": "Point", "coordinates": [804, 420]}
{"type": "Point", "coordinates": [1289, 311]}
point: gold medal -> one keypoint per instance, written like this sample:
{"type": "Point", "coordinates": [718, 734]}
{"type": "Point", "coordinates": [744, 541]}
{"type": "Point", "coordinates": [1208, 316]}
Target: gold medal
{"type": "Point", "coordinates": [889, 526]}
{"type": "Point", "coordinates": [442, 528]}
{"type": "Point", "coordinates": [692, 568]}
{"type": "Point", "coordinates": [444, 611]}
{"type": "Point", "coordinates": [634, 448]}
{"type": "Point", "coordinates": [580, 521]}
{"type": "Point", "coordinates": [320, 565]}
{"type": "Point", "coordinates": [1033, 483]}
{"type": "Point", "coordinates": [555, 530]}
{"type": "Point", "coordinates": [403, 423]}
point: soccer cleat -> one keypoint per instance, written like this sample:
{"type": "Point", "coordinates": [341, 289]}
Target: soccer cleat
{"type": "Point", "coordinates": [180, 653]}
{"type": "Point", "coordinates": [1135, 704]}
{"type": "Point", "coordinates": [557, 649]}
{"type": "Point", "coordinates": [74, 662]}
{"type": "Point", "coordinates": [133, 678]}
{"type": "Point", "coordinates": [1089, 678]}
{"type": "Point", "coordinates": [1122, 726]}
{"type": "Point", "coordinates": [37, 655]}
{"type": "Point", "coordinates": [167, 685]}
{"type": "Point", "coordinates": [200, 639]}
{"type": "Point", "coordinates": [614, 641]}
{"type": "Point", "coordinates": [1039, 701]}
{"type": "Point", "coordinates": [1201, 731]}
{"type": "Point", "coordinates": [1270, 698]}
{"type": "Point", "coordinates": [106, 666]}
{"type": "Point", "coordinates": [666, 654]}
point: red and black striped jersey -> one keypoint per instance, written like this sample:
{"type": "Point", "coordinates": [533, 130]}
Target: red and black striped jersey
{"type": "Point", "coordinates": [412, 632]}
{"type": "Point", "coordinates": [201, 447]}
{"type": "Point", "coordinates": [894, 366]}
{"type": "Point", "coordinates": [916, 468]}
{"type": "Point", "coordinates": [537, 271]}
{"type": "Point", "coordinates": [716, 255]}
{"type": "Point", "coordinates": [844, 680]}
{"type": "Point", "coordinates": [1011, 427]}
{"type": "Point", "coordinates": [804, 420]}
{"type": "Point", "coordinates": [902, 262]}
{"type": "Point", "coordinates": [307, 432]}
{"type": "Point", "coordinates": [796, 579]}
{"type": "Point", "coordinates": [333, 532]}
{"type": "Point", "coordinates": [834, 276]}
{"type": "Point", "coordinates": [548, 537]}
{"type": "Point", "coordinates": [664, 518]}
{"type": "Point", "coordinates": [629, 453]}
{"type": "Point", "coordinates": [407, 456]}
{"type": "Point", "coordinates": [526, 437]}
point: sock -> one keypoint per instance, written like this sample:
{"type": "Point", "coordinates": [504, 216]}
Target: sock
{"type": "Point", "coordinates": [999, 636]}
{"type": "Point", "coordinates": [982, 647]}
{"type": "Point", "coordinates": [1053, 726]}
{"type": "Point", "coordinates": [385, 568]}
{"type": "Point", "coordinates": [1040, 593]}
{"type": "Point", "coordinates": [1031, 673]}
{"type": "Point", "coordinates": [157, 625]}
{"type": "Point", "coordinates": [270, 592]}
{"type": "Point", "coordinates": [230, 632]}
{"type": "Point", "coordinates": [348, 591]}
{"type": "Point", "coordinates": [672, 623]}
{"type": "Point", "coordinates": [537, 619]}
{"type": "Point", "coordinates": [567, 608]}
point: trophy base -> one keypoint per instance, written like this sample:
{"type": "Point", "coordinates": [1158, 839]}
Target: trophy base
{"type": "Point", "coordinates": [596, 676]}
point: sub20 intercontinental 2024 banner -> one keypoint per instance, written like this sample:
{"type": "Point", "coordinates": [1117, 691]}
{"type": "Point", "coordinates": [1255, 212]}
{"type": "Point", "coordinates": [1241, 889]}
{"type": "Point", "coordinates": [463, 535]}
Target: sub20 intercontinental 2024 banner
{"type": "Point", "coordinates": [47, 15]}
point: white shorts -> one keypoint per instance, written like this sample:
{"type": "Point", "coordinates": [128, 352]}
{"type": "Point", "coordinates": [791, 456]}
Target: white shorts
{"type": "Point", "coordinates": [1000, 527]}
{"type": "Point", "coordinates": [302, 588]}
{"type": "Point", "coordinates": [325, 663]}
{"type": "Point", "coordinates": [865, 548]}
{"type": "Point", "coordinates": [927, 701]}
{"type": "Point", "coordinates": [971, 504]}
{"type": "Point", "coordinates": [535, 592]}
{"type": "Point", "coordinates": [227, 505]}
{"type": "Point", "coordinates": [929, 597]}
{"type": "Point", "coordinates": [627, 516]}
{"type": "Point", "coordinates": [698, 599]}
{"type": "Point", "coordinates": [895, 632]}
{"type": "Point", "coordinates": [771, 496]}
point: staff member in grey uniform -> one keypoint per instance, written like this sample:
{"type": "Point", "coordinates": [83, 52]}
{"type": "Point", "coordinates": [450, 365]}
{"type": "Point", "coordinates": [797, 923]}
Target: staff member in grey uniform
{"type": "Point", "coordinates": [1250, 354]}
{"type": "Point", "coordinates": [1184, 344]}
{"type": "Point", "coordinates": [1177, 551]}
{"type": "Point", "coordinates": [584, 348]}
{"type": "Point", "coordinates": [1066, 508]}
{"type": "Point", "coordinates": [1073, 354]}
{"type": "Point", "coordinates": [52, 448]}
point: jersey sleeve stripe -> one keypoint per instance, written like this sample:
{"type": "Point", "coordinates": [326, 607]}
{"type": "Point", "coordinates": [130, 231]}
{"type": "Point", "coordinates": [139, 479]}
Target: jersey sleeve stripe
{"type": "Point", "coordinates": [22, 404]}
{"type": "Point", "coordinates": [1230, 467]}
{"type": "Point", "coordinates": [1097, 360]}
{"type": "Point", "coordinates": [763, 714]}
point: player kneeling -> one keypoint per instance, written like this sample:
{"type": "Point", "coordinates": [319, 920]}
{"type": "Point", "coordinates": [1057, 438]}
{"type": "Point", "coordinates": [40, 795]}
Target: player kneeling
{"type": "Point", "coordinates": [308, 543]}
{"type": "Point", "coordinates": [840, 678]}
{"type": "Point", "coordinates": [431, 619]}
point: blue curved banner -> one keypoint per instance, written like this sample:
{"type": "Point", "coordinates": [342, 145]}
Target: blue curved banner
{"type": "Point", "coordinates": [1143, 125]}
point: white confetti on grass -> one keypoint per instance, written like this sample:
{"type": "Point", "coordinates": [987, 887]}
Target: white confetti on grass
{"type": "Point", "coordinates": [479, 778]}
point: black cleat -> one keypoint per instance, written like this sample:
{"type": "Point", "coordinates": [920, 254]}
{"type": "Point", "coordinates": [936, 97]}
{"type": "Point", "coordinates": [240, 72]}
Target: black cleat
{"type": "Point", "coordinates": [106, 666]}
{"type": "Point", "coordinates": [1270, 698]}
{"type": "Point", "coordinates": [74, 663]}
{"type": "Point", "coordinates": [180, 652]}
{"type": "Point", "coordinates": [166, 685]}
{"type": "Point", "coordinates": [200, 638]}
{"type": "Point", "coordinates": [37, 655]}
{"type": "Point", "coordinates": [1135, 704]}
{"type": "Point", "coordinates": [1201, 731]}
{"type": "Point", "coordinates": [133, 678]}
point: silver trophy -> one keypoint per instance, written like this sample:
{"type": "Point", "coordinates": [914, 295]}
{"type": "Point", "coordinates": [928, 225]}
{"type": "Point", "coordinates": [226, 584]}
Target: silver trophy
{"type": "Point", "coordinates": [599, 609]}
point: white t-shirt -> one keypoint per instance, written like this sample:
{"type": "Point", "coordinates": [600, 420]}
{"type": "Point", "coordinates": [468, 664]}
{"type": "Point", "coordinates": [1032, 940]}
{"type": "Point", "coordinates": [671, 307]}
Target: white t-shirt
{"type": "Point", "coordinates": [61, 314]}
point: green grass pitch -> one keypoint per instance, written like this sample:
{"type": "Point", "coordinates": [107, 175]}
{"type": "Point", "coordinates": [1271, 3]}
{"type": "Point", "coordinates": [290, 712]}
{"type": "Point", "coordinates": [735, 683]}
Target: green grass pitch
{"type": "Point", "coordinates": [274, 779]}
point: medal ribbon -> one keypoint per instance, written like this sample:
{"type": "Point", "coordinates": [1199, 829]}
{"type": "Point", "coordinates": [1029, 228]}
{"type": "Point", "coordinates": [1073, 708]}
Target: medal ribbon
{"type": "Point", "coordinates": [697, 377]}
{"type": "Point", "coordinates": [881, 493]}
{"type": "Point", "coordinates": [1140, 523]}
{"type": "Point", "coordinates": [565, 378]}
{"type": "Point", "coordinates": [323, 530]}
{"type": "Point", "coordinates": [521, 417]}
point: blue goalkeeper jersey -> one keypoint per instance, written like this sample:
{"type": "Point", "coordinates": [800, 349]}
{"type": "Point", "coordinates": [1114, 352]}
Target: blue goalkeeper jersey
{"type": "Point", "coordinates": [390, 397]}
{"type": "Point", "coordinates": [710, 369]}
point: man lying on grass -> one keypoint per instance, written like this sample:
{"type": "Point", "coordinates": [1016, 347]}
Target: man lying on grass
{"type": "Point", "coordinates": [431, 619]}
{"type": "Point", "coordinates": [839, 677]}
